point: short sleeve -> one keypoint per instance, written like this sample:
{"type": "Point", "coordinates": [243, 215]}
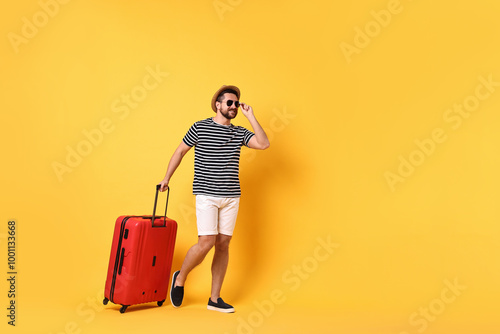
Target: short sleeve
{"type": "Point", "coordinates": [247, 135]}
{"type": "Point", "coordinates": [191, 137]}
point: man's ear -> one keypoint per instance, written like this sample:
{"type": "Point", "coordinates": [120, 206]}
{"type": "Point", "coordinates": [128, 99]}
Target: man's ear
{"type": "Point", "coordinates": [217, 105]}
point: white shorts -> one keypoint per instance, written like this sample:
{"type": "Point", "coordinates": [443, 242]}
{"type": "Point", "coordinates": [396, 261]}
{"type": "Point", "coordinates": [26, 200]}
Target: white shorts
{"type": "Point", "coordinates": [216, 215]}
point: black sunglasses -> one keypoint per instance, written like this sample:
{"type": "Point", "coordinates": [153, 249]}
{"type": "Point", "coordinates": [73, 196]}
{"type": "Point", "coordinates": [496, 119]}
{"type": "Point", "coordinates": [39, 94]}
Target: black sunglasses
{"type": "Point", "coordinates": [230, 103]}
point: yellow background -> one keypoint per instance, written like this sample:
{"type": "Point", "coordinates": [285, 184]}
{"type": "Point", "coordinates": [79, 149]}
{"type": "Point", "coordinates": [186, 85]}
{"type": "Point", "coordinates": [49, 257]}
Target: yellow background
{"type": "Point", "coordinates": [337, 125]}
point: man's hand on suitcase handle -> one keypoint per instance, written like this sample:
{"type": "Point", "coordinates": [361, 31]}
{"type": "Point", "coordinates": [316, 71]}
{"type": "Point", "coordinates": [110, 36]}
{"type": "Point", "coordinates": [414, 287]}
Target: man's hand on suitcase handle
{"type": "Point", "coordinates": [163, 185]}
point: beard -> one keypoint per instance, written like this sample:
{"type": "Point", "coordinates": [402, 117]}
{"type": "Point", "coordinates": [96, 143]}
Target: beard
{"type": "Point", "coordinates": [228, 113]}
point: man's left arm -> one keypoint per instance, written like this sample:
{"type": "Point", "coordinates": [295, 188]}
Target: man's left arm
{"type": "Point", "coordinates": [259, 141]}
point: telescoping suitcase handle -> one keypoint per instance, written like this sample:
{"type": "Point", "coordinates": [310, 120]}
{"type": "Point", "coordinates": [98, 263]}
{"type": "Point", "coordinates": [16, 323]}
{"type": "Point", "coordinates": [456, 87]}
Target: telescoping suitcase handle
{"type": "Point", "coordinates": [154, 208]}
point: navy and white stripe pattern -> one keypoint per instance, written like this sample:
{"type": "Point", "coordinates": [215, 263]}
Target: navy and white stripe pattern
{"type": "Point", "coordinates": [216, 157]}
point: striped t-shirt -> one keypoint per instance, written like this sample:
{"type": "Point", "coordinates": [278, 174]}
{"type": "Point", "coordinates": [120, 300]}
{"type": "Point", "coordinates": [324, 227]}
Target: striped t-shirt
{"type": "Point", "coordinates": [216, 157]}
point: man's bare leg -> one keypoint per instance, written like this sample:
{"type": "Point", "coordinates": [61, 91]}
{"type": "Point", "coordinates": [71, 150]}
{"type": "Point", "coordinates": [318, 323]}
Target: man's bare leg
{"type": "Point", "coordinates": [219, 264]}
{"type": "Point", "coordinates": [195, 256]}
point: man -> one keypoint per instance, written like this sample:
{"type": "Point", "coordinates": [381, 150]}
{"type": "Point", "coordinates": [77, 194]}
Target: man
{"type": "Point", "coordinates": [216, 186]}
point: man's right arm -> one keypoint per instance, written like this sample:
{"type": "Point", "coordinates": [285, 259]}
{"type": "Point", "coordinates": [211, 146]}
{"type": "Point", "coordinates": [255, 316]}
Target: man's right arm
{"type": "Point", "coordinates": [175, 161]}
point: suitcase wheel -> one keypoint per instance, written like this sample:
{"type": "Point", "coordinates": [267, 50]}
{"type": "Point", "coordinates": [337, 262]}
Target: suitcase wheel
{"type": "Point", "coordinates": [105, 301]}
{"type": "Point", "coordinates": [123, 308]}
{"type": "Point", "coordinates": [160, 303]}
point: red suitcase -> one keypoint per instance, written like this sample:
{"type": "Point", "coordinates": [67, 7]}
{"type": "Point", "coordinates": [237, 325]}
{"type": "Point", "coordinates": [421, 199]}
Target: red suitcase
{"type": "Point", "coordinates": [141, 259]}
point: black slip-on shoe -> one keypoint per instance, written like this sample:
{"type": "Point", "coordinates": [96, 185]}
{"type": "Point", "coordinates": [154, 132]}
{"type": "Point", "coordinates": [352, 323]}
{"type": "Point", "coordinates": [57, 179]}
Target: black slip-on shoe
{"type": "Point", "coordinates": [220, 306]}
{"type": "Point", "coordinates": [176, 292]}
